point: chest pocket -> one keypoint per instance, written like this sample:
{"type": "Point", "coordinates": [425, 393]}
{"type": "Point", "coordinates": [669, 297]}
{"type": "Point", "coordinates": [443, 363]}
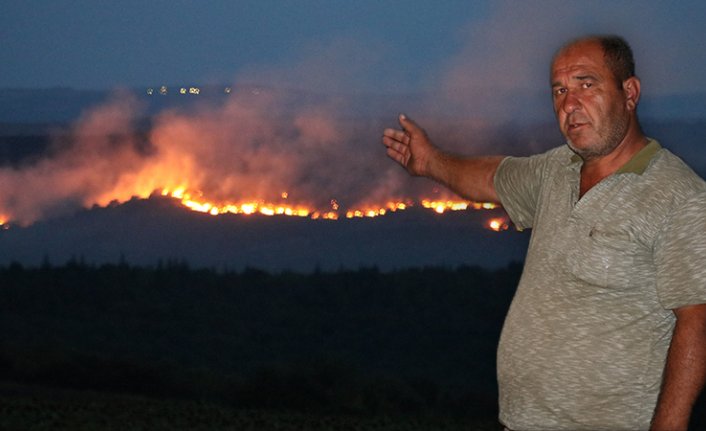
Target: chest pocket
{"type": "Point", "coordinates": [607, 257]}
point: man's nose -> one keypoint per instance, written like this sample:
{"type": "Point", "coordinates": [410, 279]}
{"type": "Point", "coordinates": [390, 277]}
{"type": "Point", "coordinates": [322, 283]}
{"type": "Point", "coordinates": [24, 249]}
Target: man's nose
{"type": "Point", "coordinates": [571, 103]}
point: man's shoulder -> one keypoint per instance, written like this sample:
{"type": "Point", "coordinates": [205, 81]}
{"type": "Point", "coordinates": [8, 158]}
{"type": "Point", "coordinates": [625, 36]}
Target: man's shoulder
{"type": "Point", "coordinates": [560, 154]}
{"type": "Point", "coordinates": [668, 183]}
{"type": "Point", "coordinates": [669, 169]}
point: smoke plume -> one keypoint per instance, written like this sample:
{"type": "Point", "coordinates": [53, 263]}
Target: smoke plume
{"type": "Point", "coordinates": [252, 146]}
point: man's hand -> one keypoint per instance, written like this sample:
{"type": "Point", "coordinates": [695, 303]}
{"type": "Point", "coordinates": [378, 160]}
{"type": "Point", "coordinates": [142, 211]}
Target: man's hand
{"type": "Point", "coordinates": [469, 177]}
{"type": "Point", "coordinates": [410, 147]}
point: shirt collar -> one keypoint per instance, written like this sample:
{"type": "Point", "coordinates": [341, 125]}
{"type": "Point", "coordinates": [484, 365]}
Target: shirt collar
{"type": "Point", "coordinates": [638, 163]}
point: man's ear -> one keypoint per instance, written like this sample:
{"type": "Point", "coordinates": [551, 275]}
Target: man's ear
{"type": "Point", "coordinates": [631, 88]}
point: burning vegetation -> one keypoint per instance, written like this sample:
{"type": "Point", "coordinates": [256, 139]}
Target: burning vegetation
{"type": "Point", "coordinates": [334, 212]}
{"type": "Point", "coordinates": [252, 153]}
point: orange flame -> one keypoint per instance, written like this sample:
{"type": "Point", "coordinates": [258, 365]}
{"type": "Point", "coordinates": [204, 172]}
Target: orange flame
{"type": "Point", "coordinates": [247, 208]}
{"type": "Point", "coordinates": [271, 209]}
{"type": "Point", "coordinates": [498, 224]}
{"type": "Point", "coordinates": [195, 202]}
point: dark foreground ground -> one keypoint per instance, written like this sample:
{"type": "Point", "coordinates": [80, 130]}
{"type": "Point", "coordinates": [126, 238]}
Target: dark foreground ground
{"type": "Point", "coordinates": [122, 347]}
{"type": "Point", "coordinates": [34, 409]}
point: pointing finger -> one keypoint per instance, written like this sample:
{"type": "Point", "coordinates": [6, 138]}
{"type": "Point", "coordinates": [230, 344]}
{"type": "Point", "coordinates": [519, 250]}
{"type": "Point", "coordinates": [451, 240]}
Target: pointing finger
{"type": "Point", "coordinates": [408, 125]}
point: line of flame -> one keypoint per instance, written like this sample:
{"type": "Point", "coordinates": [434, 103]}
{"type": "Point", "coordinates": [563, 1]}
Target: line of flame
{"type": "Point", "coordinates": [443, 206]}
{"type": "Point", "coordinates": [271, 209]}
{"type": "Point", "coordinates": [334, 213]}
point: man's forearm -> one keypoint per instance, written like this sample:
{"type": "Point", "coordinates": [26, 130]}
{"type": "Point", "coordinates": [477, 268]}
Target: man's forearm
{"type": "Point", "coordinates": [685, 370]}
{"type": "Point", "coordinates": [471, 177]}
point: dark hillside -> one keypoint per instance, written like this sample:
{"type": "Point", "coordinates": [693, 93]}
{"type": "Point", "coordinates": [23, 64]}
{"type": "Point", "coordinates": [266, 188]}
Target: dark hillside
{"type": "Point", "coordinates": [364, 342]}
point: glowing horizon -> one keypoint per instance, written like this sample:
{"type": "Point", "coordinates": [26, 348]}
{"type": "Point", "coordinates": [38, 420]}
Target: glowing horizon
{"type": "Point", "coordinates": [334, 212]}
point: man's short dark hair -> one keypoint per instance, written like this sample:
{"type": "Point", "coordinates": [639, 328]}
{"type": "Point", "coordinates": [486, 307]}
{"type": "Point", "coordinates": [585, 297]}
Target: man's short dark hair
{"type": "Point", "coordinates": [618, 57]}
{"type": "Point", "coordinates": [616, 52]}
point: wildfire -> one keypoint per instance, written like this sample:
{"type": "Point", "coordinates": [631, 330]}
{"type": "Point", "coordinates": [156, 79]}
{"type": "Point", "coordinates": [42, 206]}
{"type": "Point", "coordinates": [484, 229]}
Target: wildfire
{"type": "Point", "coordinates": [246, 208]}
{"type": "Point", "coordinates": [196, 203]}
{"type": "Point", "coordinates": [443, 206]}
{"type": "Point", "coordinates": [498, 224]}
{"type": "Point", "coordinates": [233, 155]}
{"type": "Point", "coordinates": [375, 212]}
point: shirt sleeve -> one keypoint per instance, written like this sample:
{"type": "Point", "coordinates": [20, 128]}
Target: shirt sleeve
{"type": "Point", "coordinates": [680, 255]}
{"type": "Point", "coordinates": [517, 183]}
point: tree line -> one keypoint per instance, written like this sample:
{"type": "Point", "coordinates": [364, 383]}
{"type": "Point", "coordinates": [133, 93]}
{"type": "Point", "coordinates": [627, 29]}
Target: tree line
{"type": "Point", "coordinates": [417, 340]}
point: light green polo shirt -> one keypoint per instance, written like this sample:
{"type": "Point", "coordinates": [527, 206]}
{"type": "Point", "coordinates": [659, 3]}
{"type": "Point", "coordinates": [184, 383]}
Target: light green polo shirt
{"type": "Point", "coordinates": [584, 343]}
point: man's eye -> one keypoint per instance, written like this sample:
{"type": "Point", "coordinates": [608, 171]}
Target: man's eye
{"type": "Point", "coordinates": [586, 85]}
{"type": "Point", "coordinates": [559, 91]}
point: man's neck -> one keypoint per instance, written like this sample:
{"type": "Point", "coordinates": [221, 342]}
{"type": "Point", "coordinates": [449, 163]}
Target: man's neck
{"type": "Point", "coordinates": [595, 170]}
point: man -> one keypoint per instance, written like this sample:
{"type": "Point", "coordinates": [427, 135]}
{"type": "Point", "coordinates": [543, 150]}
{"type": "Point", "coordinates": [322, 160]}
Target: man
{"type": "Point", "coordinates": [607, 330]}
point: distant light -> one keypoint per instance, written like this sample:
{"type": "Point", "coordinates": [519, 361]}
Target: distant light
{"type": "Point", "coordinates": [163, 90]}
{"type": "Point", "coordinates": [150, 91]}
{"type": "Point", "coordinates": [194, 90]}
{"type": "Point", "coordinates": [227, 90]}
{"type": "Point", "coordinates": [182, 90]}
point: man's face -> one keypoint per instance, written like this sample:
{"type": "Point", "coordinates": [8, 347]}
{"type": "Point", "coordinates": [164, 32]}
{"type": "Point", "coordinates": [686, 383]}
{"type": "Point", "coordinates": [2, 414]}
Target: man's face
{"type": "Point", "coordinates": [589, 104]}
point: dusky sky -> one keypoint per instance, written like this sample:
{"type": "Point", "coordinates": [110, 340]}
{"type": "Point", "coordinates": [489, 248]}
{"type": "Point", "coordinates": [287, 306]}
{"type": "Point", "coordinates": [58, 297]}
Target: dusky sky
{"type": "Point", "coordinates": [337, 45]}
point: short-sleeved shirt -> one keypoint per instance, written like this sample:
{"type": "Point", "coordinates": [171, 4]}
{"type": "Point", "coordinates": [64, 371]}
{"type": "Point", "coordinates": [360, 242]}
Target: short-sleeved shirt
{"type": "Point", "coordinates": [584, 343]}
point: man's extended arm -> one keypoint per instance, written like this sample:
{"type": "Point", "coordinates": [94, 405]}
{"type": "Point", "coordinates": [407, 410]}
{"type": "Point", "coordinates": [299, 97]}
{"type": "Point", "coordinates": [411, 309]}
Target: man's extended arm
{"type": "Point", "coordinates": [471, 178]}
{"type": "Point", "coordinates": [685, 370]}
